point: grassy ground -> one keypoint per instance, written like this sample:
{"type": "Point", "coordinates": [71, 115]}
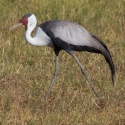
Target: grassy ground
{"type": "Point", "coordinates": [26, 71]}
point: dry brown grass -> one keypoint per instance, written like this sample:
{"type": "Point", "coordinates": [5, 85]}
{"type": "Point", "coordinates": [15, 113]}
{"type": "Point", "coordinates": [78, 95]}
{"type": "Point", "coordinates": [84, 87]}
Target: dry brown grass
{"type": "Point", "coordinates": [26, 71]}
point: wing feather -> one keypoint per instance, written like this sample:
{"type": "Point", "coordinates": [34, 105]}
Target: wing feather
{"type": "Point", "coordinates": [69, 32]}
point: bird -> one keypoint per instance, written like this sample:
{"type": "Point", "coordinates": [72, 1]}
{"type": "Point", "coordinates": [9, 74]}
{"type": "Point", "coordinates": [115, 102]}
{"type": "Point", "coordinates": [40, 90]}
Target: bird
{"type": "Point", "coordinates": [67, 36]}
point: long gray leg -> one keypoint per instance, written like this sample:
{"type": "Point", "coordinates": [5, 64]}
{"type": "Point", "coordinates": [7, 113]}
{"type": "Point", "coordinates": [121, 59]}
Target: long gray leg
{"type": "Point", "coordinates": [55, 75]}
{"type": "Point", "coordinates": [83, 71]}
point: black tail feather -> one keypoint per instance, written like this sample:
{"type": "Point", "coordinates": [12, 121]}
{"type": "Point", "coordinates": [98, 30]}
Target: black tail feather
{"type": "Point", "coordinates": [102, 49]}
{"type": "Point", "coordinates": [107, 56]}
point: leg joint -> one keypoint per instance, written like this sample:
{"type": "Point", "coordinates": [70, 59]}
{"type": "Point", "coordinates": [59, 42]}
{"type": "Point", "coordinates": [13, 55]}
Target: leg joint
{"type": "Point", "coordinates": [56, 73]}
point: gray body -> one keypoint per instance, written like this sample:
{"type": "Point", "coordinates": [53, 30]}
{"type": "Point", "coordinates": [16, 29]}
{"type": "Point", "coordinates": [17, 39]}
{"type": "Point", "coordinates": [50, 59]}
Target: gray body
{"type": "Point", "coordinates": [71, 37]}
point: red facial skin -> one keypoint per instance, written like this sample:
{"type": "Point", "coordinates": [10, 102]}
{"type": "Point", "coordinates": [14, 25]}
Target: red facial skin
{"type": "Point", "coordinates": [24, 21]}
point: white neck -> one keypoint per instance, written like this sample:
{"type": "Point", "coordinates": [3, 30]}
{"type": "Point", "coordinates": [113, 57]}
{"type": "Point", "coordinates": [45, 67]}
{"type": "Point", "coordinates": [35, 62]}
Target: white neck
{"type": "Point", "coordinates": [40, 38]}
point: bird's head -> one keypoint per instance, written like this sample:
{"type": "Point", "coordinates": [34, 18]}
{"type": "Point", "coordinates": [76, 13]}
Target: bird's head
{"type": "Point", "coordinates": [27, 20]}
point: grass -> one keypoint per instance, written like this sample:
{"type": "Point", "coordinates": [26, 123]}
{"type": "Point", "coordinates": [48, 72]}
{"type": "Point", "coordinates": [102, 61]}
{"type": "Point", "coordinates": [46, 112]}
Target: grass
{"type": "Point", "coordinates": [26, 71]}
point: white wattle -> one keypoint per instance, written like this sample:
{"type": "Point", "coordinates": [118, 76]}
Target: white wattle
{"type": "Point", "coordinates": [40, 38]}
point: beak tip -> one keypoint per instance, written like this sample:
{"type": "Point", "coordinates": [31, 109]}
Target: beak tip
{"type": "Point", "coordinates": [10, 29]}
{"type": "Point", "coordinates": [16, 25]}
